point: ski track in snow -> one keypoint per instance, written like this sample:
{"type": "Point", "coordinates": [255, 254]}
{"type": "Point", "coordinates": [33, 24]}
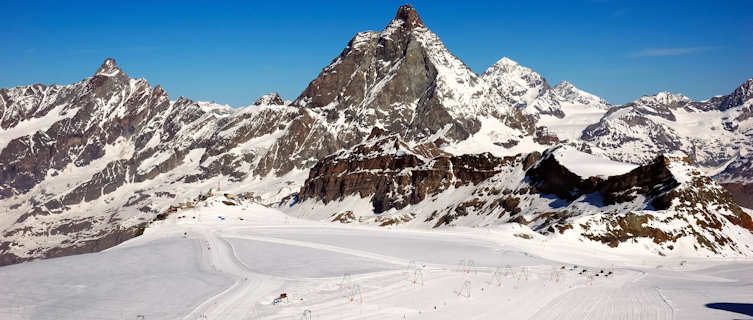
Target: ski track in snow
{"type": "Point", "coordinates": [237, 301]}
{"type": "Point", "coordinates": [626, 301]}
{"type": "Point", "coordinates": [626, 296]}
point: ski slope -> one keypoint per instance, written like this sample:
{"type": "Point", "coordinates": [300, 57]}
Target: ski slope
{"type": "Point", "coordinates": [231, 262]}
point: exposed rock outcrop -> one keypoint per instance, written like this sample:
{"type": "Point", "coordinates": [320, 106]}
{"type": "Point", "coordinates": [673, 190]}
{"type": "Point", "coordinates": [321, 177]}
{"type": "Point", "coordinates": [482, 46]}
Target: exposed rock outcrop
{"type": "Point", "coordinates": [743, 193]}
{"type": "Point", "coordinates": [393, 173]}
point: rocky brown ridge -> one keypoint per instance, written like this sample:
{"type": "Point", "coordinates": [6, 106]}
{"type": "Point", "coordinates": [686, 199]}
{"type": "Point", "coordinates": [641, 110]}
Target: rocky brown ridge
{"type": "Point", "coordinates": [533, 189]}
{"type": "Point", "coordinates": [652, 180]}
{"type": "Point", "coordinates": [394, 174]}
{"type": "Point", "coordinates": [743, 193]}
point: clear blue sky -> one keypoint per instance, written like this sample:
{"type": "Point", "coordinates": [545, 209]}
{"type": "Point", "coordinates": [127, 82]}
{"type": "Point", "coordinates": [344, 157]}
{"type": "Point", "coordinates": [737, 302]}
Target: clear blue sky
{"type": "Point", "coordinates": [233, 52]}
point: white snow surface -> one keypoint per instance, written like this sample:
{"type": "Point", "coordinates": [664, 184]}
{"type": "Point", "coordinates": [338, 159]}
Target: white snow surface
{"type": "Point", "coordinates": [230, 262]}
{"type": "Point", "coordinates": [587, 165]}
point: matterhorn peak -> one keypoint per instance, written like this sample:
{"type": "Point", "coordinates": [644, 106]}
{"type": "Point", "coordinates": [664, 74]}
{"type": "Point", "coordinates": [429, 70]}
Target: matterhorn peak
{"type": "Point", "coordinates": [409, 17]}
{"type": "Point", "coordinates": [108, 68]}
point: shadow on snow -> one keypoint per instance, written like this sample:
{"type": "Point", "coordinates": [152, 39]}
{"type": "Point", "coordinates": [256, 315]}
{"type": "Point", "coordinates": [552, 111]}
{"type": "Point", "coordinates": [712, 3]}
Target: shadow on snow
{"type": "Point", "coordinates": [741, 308]}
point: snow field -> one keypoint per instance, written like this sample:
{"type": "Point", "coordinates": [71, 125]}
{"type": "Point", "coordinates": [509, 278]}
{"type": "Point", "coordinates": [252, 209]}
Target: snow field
{"type": "Point", "coordinates": [160, 280]}
{"type": "Point", "coordinates": [231, 262]}
{"type": "Point", "coordinates": [587, 165]}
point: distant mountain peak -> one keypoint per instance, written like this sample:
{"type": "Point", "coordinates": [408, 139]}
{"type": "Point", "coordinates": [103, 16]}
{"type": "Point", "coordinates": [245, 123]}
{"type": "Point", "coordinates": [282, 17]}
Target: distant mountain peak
{"type": "Point", "coordinates": [270, 99]}
{"type": "Point", "coordinates": [507, 65]}
{"type": "Point", "coordinates": [507, 62]}
{"type": "Point", "coordinates": [108, 68]}
{"type": "Point", "coordinates": [738, 97]}
{"type": "Point", "coordinates": [520, 84]}
{"type": "Point", "coordinates": [665, 98]}
{"type": "Point", "coordinates": [563, 85]}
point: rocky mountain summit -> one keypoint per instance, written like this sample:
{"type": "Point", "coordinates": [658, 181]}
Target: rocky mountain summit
{"type": "Point", "coordinates": [395, 129]}
{"type": "Point", "coordinates": [560, 112]}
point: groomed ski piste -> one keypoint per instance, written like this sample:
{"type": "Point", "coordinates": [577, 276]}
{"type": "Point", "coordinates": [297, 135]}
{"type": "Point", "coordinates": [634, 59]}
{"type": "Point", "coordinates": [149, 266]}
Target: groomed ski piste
{"type": "Point", "coordinates": [253, 262]}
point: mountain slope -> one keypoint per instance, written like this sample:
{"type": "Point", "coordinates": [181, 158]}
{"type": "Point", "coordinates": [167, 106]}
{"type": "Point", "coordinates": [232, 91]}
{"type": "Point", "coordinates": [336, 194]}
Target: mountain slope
{"type": "Point", "coordinates": [526, 89]}
{"type": "Point", "coordinates": [98, 159]}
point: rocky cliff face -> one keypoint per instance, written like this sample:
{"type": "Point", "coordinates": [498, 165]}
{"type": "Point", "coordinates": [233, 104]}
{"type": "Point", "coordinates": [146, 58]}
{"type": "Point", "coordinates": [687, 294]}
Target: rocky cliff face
{"type": "Point", "coordinates": [393, 174]}
{"type": "Point", "coordinates": [737, 177]}
{"type": "Point", "coordinates": [741, 96]}
{"type": "Point", "coordinates": [390, 77]}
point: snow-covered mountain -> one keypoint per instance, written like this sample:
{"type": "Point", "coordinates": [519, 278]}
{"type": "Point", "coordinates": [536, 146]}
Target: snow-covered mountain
{"type": "Point", "coordinates": [710, 133]}
{"type": "Point", "coordinates": [561, 112]}
{"type": "Point", "coordinates": [530, 92]}
{"type": "Point", "coordinates": [391, 77]}
{"type": "Point", "coordinates": [394, 126]}
{"type": "Point", "coordinates": [716, 134]}
{"type": "Point", "coordinates": [85, 166]}
{"type": "Point", "coordinates": [713, 133]}
{"type": "Point", "coordinates": [524, 88]}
